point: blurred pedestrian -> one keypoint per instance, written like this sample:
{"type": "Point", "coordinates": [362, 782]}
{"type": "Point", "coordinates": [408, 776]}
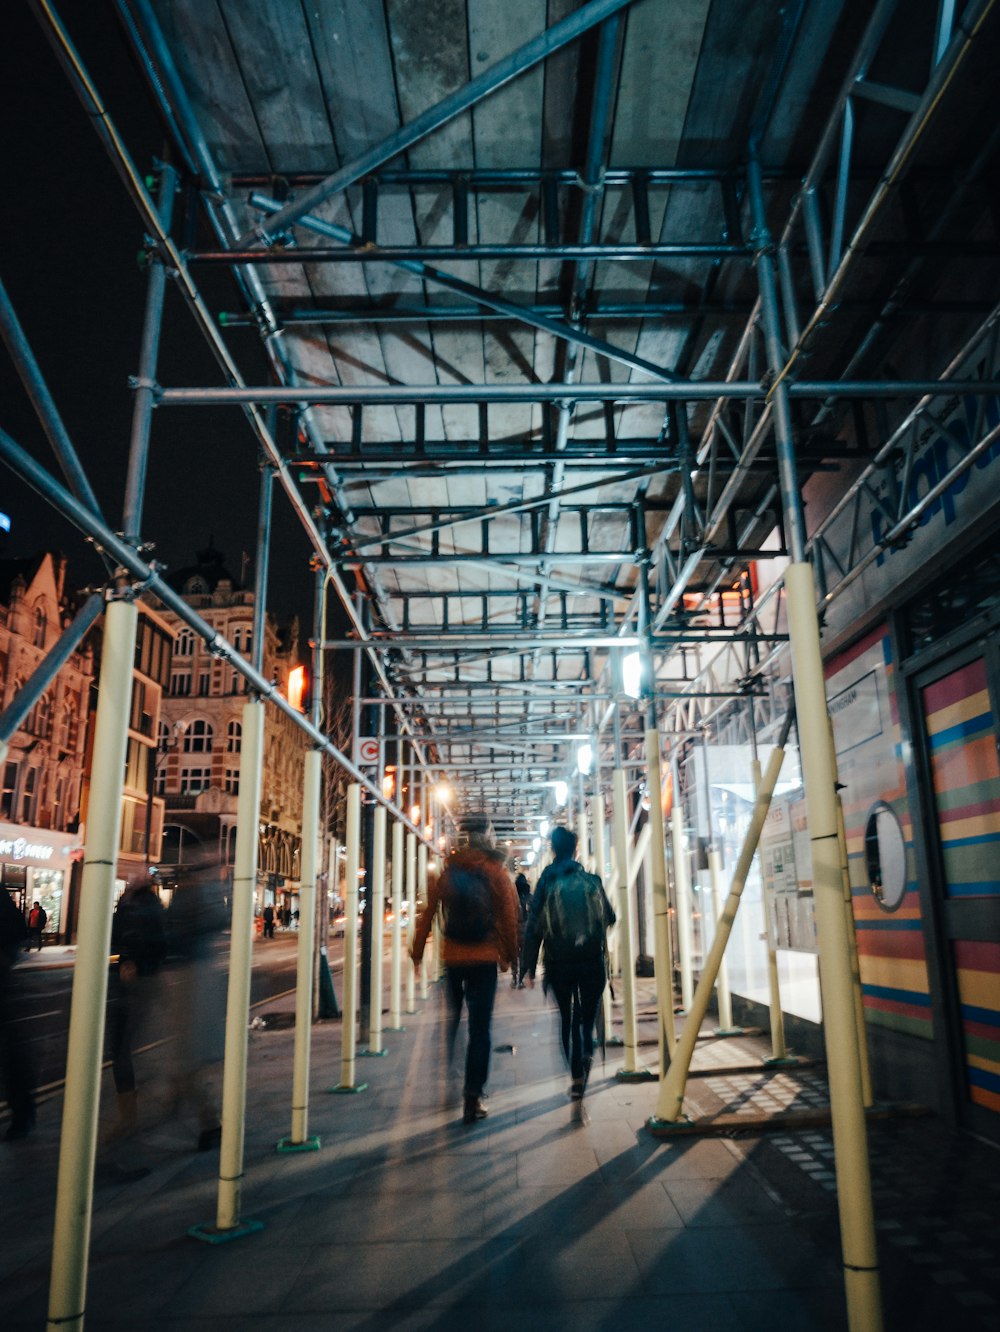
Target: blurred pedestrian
{"type": "Point", "coordinates": [269, 921]}
{"type": "Point", "coordinates": [570, 916]}
{"type": "Point", "coordinates": [479, 907]}
{"type": "Point", "coordinates": [523, 903]}
{"type": "Point", "coordinates": [195, 920]}
{"type": "Point", "coordinates": [38, 918]}
{"type": "Point", "coordinates": [138, 939]}
{"type": "Point", "coordinates": [16, 1071]}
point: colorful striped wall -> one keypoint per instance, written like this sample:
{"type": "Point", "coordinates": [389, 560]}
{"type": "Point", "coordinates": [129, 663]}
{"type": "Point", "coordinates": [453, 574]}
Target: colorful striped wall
{"type": "Point", "coordinates": [961, 729]}
{"type": "Point", "coordinates": [891, 952]}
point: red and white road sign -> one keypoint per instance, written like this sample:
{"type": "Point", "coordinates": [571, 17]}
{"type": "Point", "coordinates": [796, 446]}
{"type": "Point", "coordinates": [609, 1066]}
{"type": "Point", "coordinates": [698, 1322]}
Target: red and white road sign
{"type": "Point", "coordinates": [368, 750]}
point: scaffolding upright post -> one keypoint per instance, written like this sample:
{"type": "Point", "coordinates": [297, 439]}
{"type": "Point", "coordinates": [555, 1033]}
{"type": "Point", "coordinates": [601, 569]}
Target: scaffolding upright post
{"type": "Point", "coordinates": [819, 773]}
{"type": "Point", "coordinates": [81, 1102]}
{"type": "Point", "coordinates": [663, 962]}
{"type": "Point", "coordinates": [228, 1222]}
{"type": "Point", "coordinates": [348, 1048]}
{"type": "Point", "coordinates": [299, 1140]}
{"type": "Point", "coordinates": [630, 1038]}
{"type": "Point", "coordinates": [377, 906]}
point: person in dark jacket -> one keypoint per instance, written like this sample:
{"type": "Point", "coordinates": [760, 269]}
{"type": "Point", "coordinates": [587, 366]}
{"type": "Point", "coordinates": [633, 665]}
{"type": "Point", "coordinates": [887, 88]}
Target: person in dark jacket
{"type": "Point", "coordinates": [16, 1072]}
{"type": "Point", "coordinates": [575, 968]}
{"type": "Point", "coordinates": [523, 904]}
{"type": "Point", "coordinates": [475, 942]}
{"type": "Point", "coordinates": [138, 939]}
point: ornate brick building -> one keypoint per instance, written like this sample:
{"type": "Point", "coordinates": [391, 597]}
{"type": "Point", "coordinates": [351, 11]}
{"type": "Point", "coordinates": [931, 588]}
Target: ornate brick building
{"type": "Point", "coordinates": [198, 756]}
{"type": "Point", "coordinates": [42, 773]}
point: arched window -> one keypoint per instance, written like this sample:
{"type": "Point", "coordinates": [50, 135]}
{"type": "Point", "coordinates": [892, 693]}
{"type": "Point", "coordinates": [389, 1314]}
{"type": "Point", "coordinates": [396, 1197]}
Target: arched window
{"type": "Point", "coordinates": [234, 737]}
{"type": "Point", "coordinates": [41, 624]}
{"type": "Point", "coordinates": [69, 724]}
{"type": "Point", "coordinates": [198, 738]}
{"type": "Point", "coordinates": [184, 643]}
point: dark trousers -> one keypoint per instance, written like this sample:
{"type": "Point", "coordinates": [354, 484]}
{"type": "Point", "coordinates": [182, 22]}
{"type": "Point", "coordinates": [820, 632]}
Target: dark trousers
{"type": "Point", "coordinates": [16, 1069]}
{"type": "Point", "coordinates": [477, 986]}
{"type": "Point", "coordinates": [577, 986]}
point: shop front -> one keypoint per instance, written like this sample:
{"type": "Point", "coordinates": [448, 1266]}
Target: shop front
{"type": "Point", "coordinates": [35, 867]}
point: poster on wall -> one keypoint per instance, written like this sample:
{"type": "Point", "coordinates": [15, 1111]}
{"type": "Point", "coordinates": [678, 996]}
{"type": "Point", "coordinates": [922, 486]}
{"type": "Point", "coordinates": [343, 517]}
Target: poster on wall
{"type": "Point", "coordinates": [791, 919]}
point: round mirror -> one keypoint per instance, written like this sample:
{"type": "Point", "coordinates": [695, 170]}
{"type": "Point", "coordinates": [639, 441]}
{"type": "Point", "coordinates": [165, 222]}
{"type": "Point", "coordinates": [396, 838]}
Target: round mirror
{"type": "Point", "coordinates": [885, 856]}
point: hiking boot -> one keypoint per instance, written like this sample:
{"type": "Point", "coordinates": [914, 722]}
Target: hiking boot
{"type": "Point", "coordinates": [578, 1112]}
{"type": "Point", "coordinates": [474, 1110]}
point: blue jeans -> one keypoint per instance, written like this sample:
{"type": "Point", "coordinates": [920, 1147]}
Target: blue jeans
{"type": "Point", "coordinates": [477, 986]}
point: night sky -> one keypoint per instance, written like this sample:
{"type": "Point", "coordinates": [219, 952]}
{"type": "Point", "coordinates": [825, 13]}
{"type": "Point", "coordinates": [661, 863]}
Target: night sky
{"type": "Point", "coordinates": [69, 241]}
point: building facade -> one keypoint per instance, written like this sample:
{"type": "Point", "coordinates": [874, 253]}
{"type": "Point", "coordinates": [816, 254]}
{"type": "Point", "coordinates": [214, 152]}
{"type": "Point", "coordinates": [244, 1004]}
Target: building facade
{"type": "Point", "coordinates": [200, 735]}
{"type": "Point", "coordinates": [42, 774]}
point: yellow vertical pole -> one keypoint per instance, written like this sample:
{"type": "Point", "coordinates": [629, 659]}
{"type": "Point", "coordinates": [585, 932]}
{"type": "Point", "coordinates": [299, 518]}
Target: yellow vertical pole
{"type": "Point", "coordinates": [411, 924]}
{"type": "Point", "coordinates": [234, 1073]}
{"type": "Point", "coordinates": [396, 963]}
{"type": "Point", "coordinates": [850, 1134]}
{"type": "Point", "coordinates": [582, 838]}
{"type": "Point", "coordinates": [601, 869]}
{"type": "Point", "coordinates": [81, 1103]}
{"type": "Point", "coordinates": [299, 1138]}
{"type": "Point", "coordinates": [867, 1093]}
{"type": "Point", "coordinates": [630, 1038]}
{"type": "Point", "coordinates": [682, 895]}
{"type": "Point", "coordinates": [378, 918]}
{"type": "Point", "coordinates": [348, 1046]}
{"type": "Point", "coordinates": [663, 961]}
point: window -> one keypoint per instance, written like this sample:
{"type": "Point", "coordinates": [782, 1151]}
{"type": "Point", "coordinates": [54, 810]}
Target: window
{"type": "Point", "coordinates": [69, 724]}
{"type": "Point", "coordinates": [198, 738]}
{"type": "Point", "coordinates": [160, 784]}
{"type": "Point", "coordinates": [180, 683]}
{"type": "Point", "coordinates": [204, 683]}
{"type": "Point", "coordinates": [184, 645]}
{"type": "Point", "coordinates": [58, 793]}
{"type": "Point", "coordinates": [234, 737]}
{"type": "Point", "coordinates": [7, 790]}
{"type": "Point", "coordinates": [231, 784]}
{"type": "Point", "coordinates": [194, 780]}
{"type": "Point", "coordinates": [28, 795]}
{"type": "Point", "coordinates": [41, 624]}
{"type": "Point", "coordinates": [141, 719]}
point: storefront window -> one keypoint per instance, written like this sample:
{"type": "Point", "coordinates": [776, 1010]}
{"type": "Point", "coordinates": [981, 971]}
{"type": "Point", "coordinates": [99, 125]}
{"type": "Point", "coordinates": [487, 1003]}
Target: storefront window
{"type": "Point", "coordinates": [47, 887]}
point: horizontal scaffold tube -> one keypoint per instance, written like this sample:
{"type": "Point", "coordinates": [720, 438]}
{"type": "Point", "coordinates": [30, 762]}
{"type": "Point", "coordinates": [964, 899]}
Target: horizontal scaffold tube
{"type": "Point", "coordinates": [688, 391]}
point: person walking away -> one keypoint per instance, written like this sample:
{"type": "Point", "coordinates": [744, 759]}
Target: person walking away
{"type": "Point", "coordinates": [195, 920]}
{"type": "Point", "coordinates": [138, 937]}
{"type": "Point", "coordinates": [479, 908]}
{"type": "Point", "coordinates": [269, 921]}
{"type": "Point", "coordinates": [38, 918]}
{"type": "Point", "coordinates": [523, 904]}
{"type": "Point", "coordinates": [16, 1071]}
{"type": "Point", "coordinates": [570, 917]}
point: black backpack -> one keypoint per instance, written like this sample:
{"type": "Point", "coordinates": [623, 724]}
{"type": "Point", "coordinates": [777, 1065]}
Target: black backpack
{"type": "Point", "coordinates": [468, 905]}
{"type": "Point", "coordinates": [573, 917]}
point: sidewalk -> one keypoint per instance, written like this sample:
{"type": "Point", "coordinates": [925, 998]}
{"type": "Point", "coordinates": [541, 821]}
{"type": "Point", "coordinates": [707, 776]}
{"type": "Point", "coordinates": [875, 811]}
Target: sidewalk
{"type": "Point", "coordinates": [407, 1219]}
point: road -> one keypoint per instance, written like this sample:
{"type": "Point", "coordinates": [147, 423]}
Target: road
{"type": "Point", "coordinates": [41, 1003]}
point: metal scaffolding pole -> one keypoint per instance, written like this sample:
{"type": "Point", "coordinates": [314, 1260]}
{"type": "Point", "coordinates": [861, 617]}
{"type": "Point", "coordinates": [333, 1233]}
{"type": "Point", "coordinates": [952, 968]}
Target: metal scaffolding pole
{"type": "Point", "coordinates": [348, 1046]}
{"type": "Point", "coordinates": [142, 412]}
{"type": "Point", "coordinates": [299, 1139]}
{"type": "Point", "coordinates": [81, 1101]}
{"type": "Point", "coordinates": [819, 773]}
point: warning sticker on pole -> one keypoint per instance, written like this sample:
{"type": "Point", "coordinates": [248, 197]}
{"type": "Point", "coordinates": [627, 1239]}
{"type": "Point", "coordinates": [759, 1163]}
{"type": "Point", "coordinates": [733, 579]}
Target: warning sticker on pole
{"type": "Point", "coordinates": [368, 750]}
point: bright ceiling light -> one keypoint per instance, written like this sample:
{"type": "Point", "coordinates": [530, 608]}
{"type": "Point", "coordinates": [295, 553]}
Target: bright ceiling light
{"type": "Point", "coordinates": [562, 793]}
{"type": "Point", "coordinates": [585, 759]}
{"type": "Point", "coordinates": [544, 827]}
{"type": "Point", "coordinates": [631, 674]}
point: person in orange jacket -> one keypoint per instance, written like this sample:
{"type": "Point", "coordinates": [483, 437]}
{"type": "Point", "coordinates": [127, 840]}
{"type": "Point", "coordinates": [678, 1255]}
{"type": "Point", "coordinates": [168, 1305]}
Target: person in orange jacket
{"type": "Point", "coordinates": [479, 909]}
